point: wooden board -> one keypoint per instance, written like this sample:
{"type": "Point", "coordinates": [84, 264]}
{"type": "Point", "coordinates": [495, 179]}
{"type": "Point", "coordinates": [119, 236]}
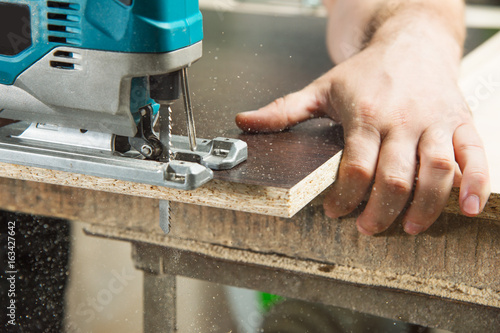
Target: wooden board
{"type": "Point", "coordinates": [249, 60]}
{"type": "Point", "coordinates": [458, 258]}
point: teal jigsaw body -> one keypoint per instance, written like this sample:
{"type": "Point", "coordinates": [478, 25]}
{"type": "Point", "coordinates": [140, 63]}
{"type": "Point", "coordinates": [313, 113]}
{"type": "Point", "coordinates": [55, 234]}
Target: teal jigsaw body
{"type": "Point", "coordinates": [32, 28]}
{"type": "Point", "coordinates": [87, 63]}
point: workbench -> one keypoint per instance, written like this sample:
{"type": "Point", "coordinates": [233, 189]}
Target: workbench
{"type": "Point", "coordinates": [445, 278]}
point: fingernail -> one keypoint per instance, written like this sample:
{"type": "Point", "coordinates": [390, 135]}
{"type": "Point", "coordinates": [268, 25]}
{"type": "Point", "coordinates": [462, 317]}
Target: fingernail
{"type": "Point", "coordinates": [471, 205]}
{"type": "Point", "coordinates": [244, 114]}
{"type": "Point", "coordinates": [412, 228]}
{"type": "Point", "coordinates": [247, 112]}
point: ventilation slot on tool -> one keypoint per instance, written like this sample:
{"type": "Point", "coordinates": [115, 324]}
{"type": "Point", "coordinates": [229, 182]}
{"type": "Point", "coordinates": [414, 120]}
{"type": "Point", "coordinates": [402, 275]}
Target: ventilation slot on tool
{"type": "Point", "coordinates": [63, 22]}
{"type": "Point", "coordinates": [64, 5]}
{"type": "Point", "coordinates": [62, 65]}
{"type": "Point", "coordinates": [53, 27]}
{"type": "Point", "coordinates": [65, 60]}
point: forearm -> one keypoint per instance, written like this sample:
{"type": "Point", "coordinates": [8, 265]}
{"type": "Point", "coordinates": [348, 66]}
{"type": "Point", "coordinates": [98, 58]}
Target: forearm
{"type": "Point", "coordinates": [356, 24]}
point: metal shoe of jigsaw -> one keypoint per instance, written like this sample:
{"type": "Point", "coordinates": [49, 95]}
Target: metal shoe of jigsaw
{"type": "Point", "coordinates": [86, 79]}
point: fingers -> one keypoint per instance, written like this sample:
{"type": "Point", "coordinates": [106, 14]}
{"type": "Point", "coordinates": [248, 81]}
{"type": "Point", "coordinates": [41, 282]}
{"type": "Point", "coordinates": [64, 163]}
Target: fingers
{"type": "Point", "coordinates": [435, 180]}
{"type": "Point", "coordinates": [471, 157]}
{"type": "Point", "coordinates": [393, 185]}
{"type": "Point", "coordinates": [395, 174]}
{"type": "Point", "coordinates": [285, 112]}
{"type": "Point", "coordinates": [458, 176]}
{"type": "Point", "coordinates": [356, 173]}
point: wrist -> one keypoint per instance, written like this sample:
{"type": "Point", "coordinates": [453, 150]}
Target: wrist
{"type": "Point", "coordinates": [422, 33]}
{"type": "Point", "coordinates": [448, 14]}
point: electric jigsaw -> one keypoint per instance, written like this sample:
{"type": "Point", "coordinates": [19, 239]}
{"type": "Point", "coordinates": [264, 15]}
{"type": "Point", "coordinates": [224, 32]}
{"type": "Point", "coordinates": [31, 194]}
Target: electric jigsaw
{"type": "Point", "coordinates": [91, 84]}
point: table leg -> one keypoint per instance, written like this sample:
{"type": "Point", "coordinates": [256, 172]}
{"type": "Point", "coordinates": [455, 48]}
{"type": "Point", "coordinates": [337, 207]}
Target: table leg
{"type": "Point", "coordinates": [159, 302]}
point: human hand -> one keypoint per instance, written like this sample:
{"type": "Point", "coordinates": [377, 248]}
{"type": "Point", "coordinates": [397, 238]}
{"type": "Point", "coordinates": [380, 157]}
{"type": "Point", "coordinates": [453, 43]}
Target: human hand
{"type": "Point", "coordinates": [406, 127]}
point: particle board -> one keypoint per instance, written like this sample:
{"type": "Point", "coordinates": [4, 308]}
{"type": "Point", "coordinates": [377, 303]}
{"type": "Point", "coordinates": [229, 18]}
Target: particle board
{"type": "Point", "coordinates": [283, 173]}
{"type": "Point", "coordinates": [457, 258]}
{"type": "Point", "coordinates": [419, 278]}
{"type": "Point", "coordinates": [249, 60]}
{"type": "Point", "coordinates": [267, 200]}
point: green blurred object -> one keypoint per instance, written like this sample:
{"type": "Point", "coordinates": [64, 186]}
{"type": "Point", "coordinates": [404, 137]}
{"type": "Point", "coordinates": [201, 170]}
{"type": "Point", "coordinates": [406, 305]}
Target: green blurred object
{"type": "Point", "coordinates": [267, 301]}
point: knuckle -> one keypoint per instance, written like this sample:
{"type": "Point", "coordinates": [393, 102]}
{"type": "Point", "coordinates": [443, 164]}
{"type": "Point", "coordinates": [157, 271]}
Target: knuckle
{"type": "Point", "coordinates": [362, 135]}
{"type": "Point", "coordinates": [279, 105]}
{"type": "Point", "coordinates": [278, 111]}
{"type": "Point", "coordinates": [480, 176]}
{"type": "Point", "coordinates": [279, 102]}
{"type": "Point", "coordinates": [358, 170]}
{"type": "Point", "coordinates": [470, 146]}
{"type": "Point", "coordinates": [339, 205]}
{"type": "Point", "coordinates": [427, 214]}
{"type": "Point", "coordinates": [396, 184]}
{"type": "Point", "coordinates": [430, 215]}
{"type": "Point", "coordinates": [366, 112]}
{"type": "Point", "coordinates": [427, 206]}
{"type": "Point", "coordinates": [367, 108]}
{"type": "Point", "coordinates": [399, 117]}
{"type": "Point", "coordinates": [442, 163]}
{"type": "Point", "coordinates": [350, 206]}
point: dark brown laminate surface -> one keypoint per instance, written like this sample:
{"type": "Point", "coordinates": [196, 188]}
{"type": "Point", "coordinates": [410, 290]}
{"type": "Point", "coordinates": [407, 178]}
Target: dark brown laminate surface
{"type": "Point", "coordinates": [284, 159]}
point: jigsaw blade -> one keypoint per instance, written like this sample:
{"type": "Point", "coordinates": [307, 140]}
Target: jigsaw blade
{"type": "Point", "coordinates": [166, 140]}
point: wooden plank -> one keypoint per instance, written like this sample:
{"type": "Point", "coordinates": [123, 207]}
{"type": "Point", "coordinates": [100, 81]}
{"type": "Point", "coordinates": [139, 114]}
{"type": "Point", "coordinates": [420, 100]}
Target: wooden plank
{"type": "Point", "coordinates": [250, 198]}
{"type": "Point", "coordinates": [450, 251]}
{"type": "Point", "coordinates": [300, 280]}
{"type": "Point", "coordinates": [238, 237]}
{"type": "Point", "coordinates": [244, 67]}
{"type": "Point", "coordinates": [458, 258]}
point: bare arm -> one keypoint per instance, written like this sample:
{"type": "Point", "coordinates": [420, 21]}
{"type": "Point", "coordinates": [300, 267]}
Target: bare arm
{"type": "Point", "coordinates": [353, 24]}
{"type": "Point", "coordinates": [407, 126]}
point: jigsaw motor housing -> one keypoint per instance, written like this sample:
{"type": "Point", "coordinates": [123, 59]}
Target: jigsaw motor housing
{"type": "Point", "coordinates": [85, 63]}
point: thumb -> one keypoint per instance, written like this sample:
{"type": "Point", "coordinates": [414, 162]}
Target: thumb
{"type": "Point", "coordinates": [284, 112]}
